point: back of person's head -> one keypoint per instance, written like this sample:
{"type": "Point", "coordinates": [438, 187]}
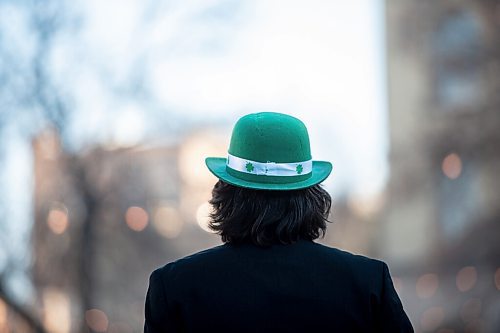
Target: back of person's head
{"type": "Point", "coordinates": [268, 190]}
{"type": "Point", "coordinates": [266, 217]}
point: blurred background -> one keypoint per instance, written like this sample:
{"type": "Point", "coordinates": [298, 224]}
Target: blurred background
{"type": "Point", "coordinates": [108, 109]}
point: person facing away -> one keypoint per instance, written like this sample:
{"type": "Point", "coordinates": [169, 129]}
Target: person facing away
{"type": "Point", "coordinates": [269, 275]}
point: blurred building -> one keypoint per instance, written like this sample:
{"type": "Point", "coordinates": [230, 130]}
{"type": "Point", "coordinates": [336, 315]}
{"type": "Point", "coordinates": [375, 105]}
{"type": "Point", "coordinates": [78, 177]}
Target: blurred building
{"type": "Point", "coordinates": [443, 208]}
{"type": "Point", "coordinates": [106, 218]}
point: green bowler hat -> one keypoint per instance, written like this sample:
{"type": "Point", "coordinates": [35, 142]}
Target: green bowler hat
{"type": "Point", "coordinates": [269, 151]}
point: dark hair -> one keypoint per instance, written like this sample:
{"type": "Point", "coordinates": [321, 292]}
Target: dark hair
{"type": "Point", "coordinates": [267, 217]}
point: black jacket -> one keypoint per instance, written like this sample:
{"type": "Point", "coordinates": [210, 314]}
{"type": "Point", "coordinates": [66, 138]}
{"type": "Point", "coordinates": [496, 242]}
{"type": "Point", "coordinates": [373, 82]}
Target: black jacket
{"type": "Point", "coordinates": [303, 287]}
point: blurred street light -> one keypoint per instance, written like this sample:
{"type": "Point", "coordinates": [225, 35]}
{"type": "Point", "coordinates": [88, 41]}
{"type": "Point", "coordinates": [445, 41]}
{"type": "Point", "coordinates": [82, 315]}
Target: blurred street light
{"type": "Point", "coordinates": [57, 219]}
{"type": "Point", "coordinates": [97, 320]}
{"type": "Point", "coordinates": [57, 316]}
{"type": "Point", "coordinates": [167, 221]}
{"type": "Point", "coordinates": [452, 166]}
{"type": "Point", "coordinates": [471, 310]}
{"type": "Point", "coordinates": [136, 218]}
{"type": "Point", "coordinates": [427, 285]}
{"type": "Point", "coordinates": [202, 216]}
{"type": "Point", "coordinates": [432, 318]}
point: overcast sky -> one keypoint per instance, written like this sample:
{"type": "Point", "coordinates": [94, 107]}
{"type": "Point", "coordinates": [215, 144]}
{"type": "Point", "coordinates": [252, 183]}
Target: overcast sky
{"type": "Point", "coordinates": [135, 69]}
{"type": "Point", "coordinates": [322, 61]}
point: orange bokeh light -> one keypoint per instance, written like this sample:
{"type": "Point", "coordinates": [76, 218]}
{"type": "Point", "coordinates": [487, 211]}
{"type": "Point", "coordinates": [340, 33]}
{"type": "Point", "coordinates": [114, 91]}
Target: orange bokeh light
{"type": "Point", "coordinates": [57, 220]}
{"type": "Point", "coordinates": [97, 320]}
{"type": "Point", "coordinates": [431, 318]}
{"type": "Point", "coordinates": [452, 166]}
{"type": "Point", "coordinates": [427, 285]}
{"type": "Point", "coordinates": [136, 218]}
{"type": "Point", "coordinates": [466, 278]}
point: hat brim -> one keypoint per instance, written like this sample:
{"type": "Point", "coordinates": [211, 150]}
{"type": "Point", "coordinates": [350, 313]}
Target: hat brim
{"type": "Point", "coordinates": [217, 165]}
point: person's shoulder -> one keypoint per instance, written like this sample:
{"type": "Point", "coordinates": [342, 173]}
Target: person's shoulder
{"type": "Point", "coordinates": [349, 258]}
{"type": "Point", "coordinates": [193, 261]}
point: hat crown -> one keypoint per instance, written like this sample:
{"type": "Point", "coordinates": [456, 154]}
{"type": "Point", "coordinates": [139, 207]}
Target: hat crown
{"type": "Point", "coordinates": [270, 137]}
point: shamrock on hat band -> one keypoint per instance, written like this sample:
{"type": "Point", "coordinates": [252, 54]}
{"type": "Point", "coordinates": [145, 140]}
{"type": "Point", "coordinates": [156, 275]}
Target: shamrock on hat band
{"type": "Point", "coordinates": [269, 168]}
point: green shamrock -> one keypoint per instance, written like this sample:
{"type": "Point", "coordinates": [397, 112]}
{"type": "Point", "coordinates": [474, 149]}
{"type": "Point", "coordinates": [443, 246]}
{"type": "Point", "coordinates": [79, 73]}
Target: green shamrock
{"type": "Point", "coordinates": [299, 169]}
{"type": "Point", "coordinates": [249, 167]}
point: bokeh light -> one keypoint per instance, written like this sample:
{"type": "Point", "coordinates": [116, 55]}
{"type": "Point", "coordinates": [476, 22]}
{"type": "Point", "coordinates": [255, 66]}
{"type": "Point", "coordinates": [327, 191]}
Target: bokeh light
{"type": "Point", "coordinates": [202, 216]}
{"type": "Point", "coordinates": [167, 221]}
{"type": "Point", "coordinates": [57, 313]}
{"type": "Point", "coordinates": [427, 285]}
{"type": "Point", "coordinates": [366, 206]}
{"type": "Point", "coordinates": [471, 310]}
{"type": "Point", "coordinates": [432, 318]}
{"type": "Point", "coordinates": [3, 314]}
{"type": "Point", "coordinates": [136, 218]}
{"type": "Point", "coordinates": [97, 320]}
{"type": "Point", "coordinates": [193, 153]}
{"type": "Point", "coordinates": [466, 278]}
{"type": "Point", "coordinates": [452, 166]}
{"type": "Point", "coordinates": [57, 219]}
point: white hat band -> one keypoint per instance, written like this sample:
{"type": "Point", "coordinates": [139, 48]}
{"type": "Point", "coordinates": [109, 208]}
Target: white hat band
{"type": "Point", "coordinates": [269, 168]}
